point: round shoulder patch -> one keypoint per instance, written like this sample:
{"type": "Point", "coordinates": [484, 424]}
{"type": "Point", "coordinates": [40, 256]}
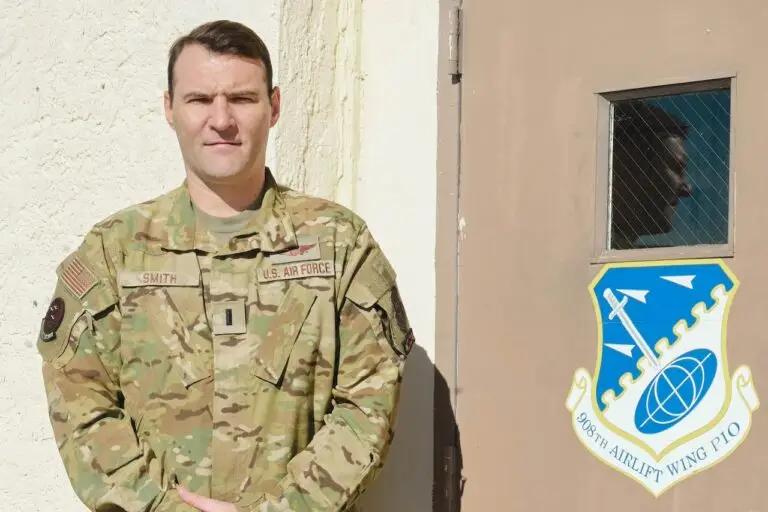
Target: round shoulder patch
{"type": "Point", "coordinates": [52, 320]}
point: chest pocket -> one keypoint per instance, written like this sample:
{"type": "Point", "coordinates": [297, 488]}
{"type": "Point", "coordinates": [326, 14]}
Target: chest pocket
{"type": "Point", "coordinates": [275, 335]}
{"type": "Point", "coordinates": [163, 325]}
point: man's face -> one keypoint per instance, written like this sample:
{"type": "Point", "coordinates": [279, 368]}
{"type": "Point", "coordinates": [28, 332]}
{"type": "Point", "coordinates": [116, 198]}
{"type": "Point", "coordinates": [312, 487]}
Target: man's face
{"type": "Point", "coordinates": [221, 113]}
{"type": "Point", "coordinates": [674, 166]}
{"type": "Point", "coordinates": [647, 187]}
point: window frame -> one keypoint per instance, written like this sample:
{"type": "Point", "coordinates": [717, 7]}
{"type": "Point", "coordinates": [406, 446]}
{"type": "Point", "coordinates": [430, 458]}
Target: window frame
{"type": "Point", "coordinates": [601, 253]}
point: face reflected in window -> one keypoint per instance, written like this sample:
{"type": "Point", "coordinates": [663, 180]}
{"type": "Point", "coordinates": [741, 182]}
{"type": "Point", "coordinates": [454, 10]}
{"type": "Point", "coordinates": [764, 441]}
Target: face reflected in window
{"type": "Point", "coordinates": [668, 168]}
{"type": "Point", "coordinates": [648, 171]}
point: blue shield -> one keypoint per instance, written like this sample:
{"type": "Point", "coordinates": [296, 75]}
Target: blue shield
{"type": "Point", "coordinates": [661, 373]}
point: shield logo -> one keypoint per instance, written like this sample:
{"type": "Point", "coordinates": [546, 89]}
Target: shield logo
{"type": "Point", "coordinates": [663, 403]}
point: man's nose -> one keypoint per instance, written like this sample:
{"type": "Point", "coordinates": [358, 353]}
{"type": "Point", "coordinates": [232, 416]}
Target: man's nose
{"type": "Point", "coordinates": [221, 116]}
{"type": "Point", "coordinates": [684, 189]}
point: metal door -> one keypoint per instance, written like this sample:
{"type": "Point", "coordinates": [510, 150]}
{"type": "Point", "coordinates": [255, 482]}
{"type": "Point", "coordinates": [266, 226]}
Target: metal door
{"type": "Point", "coordinates": [584, 127]}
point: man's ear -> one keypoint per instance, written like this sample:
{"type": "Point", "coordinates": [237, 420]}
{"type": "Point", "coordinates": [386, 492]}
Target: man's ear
{"type": "Point", "coordinates": [167, 103]}
{"type": "Point", "coordinates": [274, 101]}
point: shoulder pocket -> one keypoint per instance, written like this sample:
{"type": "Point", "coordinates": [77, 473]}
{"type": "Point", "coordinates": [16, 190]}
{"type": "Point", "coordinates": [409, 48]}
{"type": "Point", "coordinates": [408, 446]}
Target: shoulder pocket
{"type": "Point", "coordinates": [68, 317]}
{"type": "Point", "coordinates": [374, 289]}
{"type": "Point", "coordinates": [373, 279]}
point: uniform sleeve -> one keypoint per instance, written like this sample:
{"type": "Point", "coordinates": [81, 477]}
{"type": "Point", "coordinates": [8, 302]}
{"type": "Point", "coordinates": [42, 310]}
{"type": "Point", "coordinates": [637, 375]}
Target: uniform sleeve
{"type": "Point", "coordinates": [346, 455]}
{"type": "Point", "coordinates": [108, 468]}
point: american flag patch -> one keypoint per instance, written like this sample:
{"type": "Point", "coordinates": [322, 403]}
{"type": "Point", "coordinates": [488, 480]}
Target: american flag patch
{"type": "Point", "coordinates": [77, 278]}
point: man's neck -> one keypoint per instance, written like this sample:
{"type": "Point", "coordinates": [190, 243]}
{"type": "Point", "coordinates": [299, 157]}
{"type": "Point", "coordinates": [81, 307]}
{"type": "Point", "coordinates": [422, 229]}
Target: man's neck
{"type": "Point", "coordinates": [225, 199]}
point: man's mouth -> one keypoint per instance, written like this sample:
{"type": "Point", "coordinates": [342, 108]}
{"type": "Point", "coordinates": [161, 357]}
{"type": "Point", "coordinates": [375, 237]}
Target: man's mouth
{"type": "Point", "coordinates": [222, 143]}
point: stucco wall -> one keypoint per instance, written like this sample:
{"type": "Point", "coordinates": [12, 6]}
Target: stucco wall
{"type": "Point", "coordinates": [396, 191]}
{"type": "Point", "coordinates": [359, 126]}
{"type": "Point", "coordinates": [83, 135]}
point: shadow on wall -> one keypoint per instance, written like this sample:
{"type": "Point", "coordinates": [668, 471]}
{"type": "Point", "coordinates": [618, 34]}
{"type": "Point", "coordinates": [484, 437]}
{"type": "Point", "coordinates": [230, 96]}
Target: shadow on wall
{"type": "Point", "coordinates": [448, 460]}
{"type": "Point", "coordinates": [406, 484]}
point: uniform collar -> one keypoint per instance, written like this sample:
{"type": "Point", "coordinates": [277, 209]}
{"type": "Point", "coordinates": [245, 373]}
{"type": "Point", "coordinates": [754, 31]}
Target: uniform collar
{"type": "Point", "coordinates": [270, 230]}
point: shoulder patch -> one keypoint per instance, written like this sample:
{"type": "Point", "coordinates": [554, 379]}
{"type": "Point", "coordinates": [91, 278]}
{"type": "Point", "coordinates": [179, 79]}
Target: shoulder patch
{"type": "Point", "coordinates": [56, 327]}
{"type": "Point", "coordinates": [77, 277]}
{"type": "Point", "coordinates": [410, 339]}
{"type": "Point", "coordinates": [52, 319]}
{"type": "Point", "coordinates": [397, 327]}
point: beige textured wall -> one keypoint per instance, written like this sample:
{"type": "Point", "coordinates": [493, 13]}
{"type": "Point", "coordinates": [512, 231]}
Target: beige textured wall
{"type": "Point", "coordinates": [82, 135]}
{"type": "Point", "coordinates": [318, 141]}
{"type": "Point", "coordinates": [359, 82]}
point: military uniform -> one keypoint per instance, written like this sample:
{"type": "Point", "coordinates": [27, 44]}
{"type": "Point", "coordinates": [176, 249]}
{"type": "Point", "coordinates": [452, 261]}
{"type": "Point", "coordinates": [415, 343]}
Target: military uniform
{"type": "Point", "coordinates": [259, 364]}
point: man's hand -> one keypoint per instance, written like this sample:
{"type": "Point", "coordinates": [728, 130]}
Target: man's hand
{"type": "Point", "coordinates": [205, 504]}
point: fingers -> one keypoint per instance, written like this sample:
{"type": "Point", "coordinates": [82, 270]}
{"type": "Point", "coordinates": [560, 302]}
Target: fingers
{"type": "Point", "coordinates": [204, 504]}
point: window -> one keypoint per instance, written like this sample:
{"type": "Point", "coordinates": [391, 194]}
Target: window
{"type": "Point", "coordinates": [669, 168]}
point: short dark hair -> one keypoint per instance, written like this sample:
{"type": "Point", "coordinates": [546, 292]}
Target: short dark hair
{"type": "Point", "coordinates": [642, 120]}
{"type": "Point", "coordinates": [641, 132]}
{"type": "Point", "coordinates": [225, 37]}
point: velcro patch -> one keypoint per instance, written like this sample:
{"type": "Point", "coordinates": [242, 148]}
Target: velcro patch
{"type": "Point", "coordinates": [228, 317]}
{"type": "Point", "coordinates": [410, 339]}
{"type": "Point", "coordinates": [52, 319]}
{"type": "Point", "coordinates": [77, 278]}
{"type": "Point", "coordinates": [157, 278]}
{"type": "Point", "coordinates": [322, 268]}
{"type": "Point", "coordinates": [399, 325]}
{"type": "Point", "coordinates": [56, 334]}
{"type": "Point", "coordinates": [308, 250]}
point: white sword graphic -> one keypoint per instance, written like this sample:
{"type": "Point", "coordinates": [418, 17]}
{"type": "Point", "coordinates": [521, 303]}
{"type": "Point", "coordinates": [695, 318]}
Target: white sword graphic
{"type": "Point", "coordinates": [617, 310]}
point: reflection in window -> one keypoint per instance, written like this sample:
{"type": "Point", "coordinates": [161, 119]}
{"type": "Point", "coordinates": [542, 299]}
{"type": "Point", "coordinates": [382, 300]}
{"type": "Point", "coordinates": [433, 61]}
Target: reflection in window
{"type": "Point", "coordinates": [670, 170]}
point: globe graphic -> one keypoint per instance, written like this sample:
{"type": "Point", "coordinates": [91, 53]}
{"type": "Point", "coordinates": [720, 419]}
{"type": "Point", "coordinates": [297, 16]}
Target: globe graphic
{"type": "Point", "coordinates": [675, 391]}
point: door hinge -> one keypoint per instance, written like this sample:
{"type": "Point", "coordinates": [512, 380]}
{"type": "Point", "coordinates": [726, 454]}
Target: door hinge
{"type": "Point", "coordinates": [454, 31]}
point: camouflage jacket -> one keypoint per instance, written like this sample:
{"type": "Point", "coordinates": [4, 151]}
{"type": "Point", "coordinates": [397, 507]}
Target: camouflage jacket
{"type": "Point", "coordinates": [264, 372]}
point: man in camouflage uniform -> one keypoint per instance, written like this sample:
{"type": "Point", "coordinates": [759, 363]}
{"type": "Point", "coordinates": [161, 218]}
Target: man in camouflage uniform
{"type": "Point", "coordinates": [232, 345]}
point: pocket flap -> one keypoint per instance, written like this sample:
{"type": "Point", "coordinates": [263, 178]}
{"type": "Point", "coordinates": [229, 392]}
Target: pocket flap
{"type": "Point", "coordinates": [374, 278]}
{"type": "Point", "coordinates": [280, 333]}
{"type": "Point", "coordinates": [99, 299]}
{"type": "Point", "coordinates": [113, 445]}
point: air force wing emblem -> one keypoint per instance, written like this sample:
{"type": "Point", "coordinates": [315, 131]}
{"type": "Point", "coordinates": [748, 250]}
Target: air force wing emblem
{"type": "Point", "coordinates": [662, 404]}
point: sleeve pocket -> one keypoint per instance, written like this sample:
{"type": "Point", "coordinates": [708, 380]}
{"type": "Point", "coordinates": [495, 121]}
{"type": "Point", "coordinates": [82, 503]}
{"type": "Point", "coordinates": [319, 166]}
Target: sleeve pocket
{"type": "Point", "coordinates": [374, 290]}
{"type": "Point", "coordinates": [332, 472]}
{"type": "Point", "coordinates": [113, 445]}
